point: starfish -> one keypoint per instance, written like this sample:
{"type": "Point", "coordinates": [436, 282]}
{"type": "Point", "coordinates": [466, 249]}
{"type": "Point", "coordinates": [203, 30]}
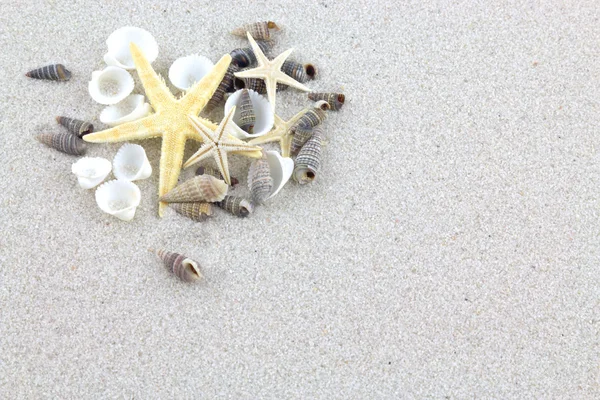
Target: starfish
{"type": "Point", "coordinates": [218, 142]}
{"type": "Point", "coordinates": [270, 71]}
{"type": "Point", "coordinates": [282, 132]}
{"type": "Point", "coordinates": [170, 120]}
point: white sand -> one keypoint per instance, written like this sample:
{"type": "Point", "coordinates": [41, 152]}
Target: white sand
{"type": "Point", "coordinates": [448, 249]}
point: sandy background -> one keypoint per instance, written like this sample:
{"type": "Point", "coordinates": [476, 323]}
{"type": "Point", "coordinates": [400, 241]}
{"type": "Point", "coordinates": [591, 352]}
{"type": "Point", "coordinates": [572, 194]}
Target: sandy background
{"type": "Point", "coordinates": [448, 249]}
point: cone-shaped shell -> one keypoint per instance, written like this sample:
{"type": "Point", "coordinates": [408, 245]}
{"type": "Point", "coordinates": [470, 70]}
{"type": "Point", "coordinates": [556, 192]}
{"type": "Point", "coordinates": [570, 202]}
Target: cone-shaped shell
{"type": "Point", "coordinates": [76, 126]}
{"type": "Point", "coordinates": [64, 141]}
{"type": "Point", "coordinates": [185, 71]}
{"type": "Point", "coordinates": [245, 57]}
{"type": "Point", "coordinates": [225, 86]}
{"type": "Point", "coordinates": [54, 72]}
{"type": "Point", "coordinates": [216, 173]}
{"type": "Point", "coordinates": [247, 115]}
{"type": "Point", "coordinates": [281, 169]}
{"type": "Point", "coordinates": [258, 30]}
{"type": "Point", "coordinates": [132, 108]}
{"type": "Point", "coordinates": [183, 267]}
{"type": "Point", "coordinates": [119, 54]}
{"type": "Point", "coordinates": [335, 100]}
{"type": "Point", "coordinates": [314, 116]}
{"type": "Point", "coordinates": [308, 160]}
{"type": "Point", "coordinates": [197, 211]}
{"type": "Point", "coordinates": [131, 163]}
{"type": "Point", "coordinates": [238, 206]}
{"type": "Point", "coordinates": [260, 182]}
{"type": "Point", "coordinates": [301, 135]}
{"type": "Point", "coordinates": [295, 70]}
{"type": "Point", "coordinates": [263, 113]}
{"type": "Point", "coordinates": [111, 85]}
{"type": "Point", "coordinates": [91, 171]}
{"type": "Point", "coordinates": [202, 188]}
{"type": "Point", "coordinates": [118, 198]}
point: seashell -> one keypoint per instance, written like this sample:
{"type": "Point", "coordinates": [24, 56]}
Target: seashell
{"type": "Point", "coordinates": [310, 71]}
{"type": "Point", "coordinates": [64, 141]}
{"type": "Point", "coordinates": [260, 182]}
{"type": "Point", "coordinates": [225, 86]}
{"type": "Point", "coordinates": [238, 206]}
{"type": "Point", "coordinates": [54, 72]}
{"type": "Point", "coordinates": [133, 107]}
{"type": "Point", "coordinates": [245, 57]}
{"type": "Point", "coordinates": [281, 169]}
{"type": "Point", "coordinates": [216, 173]}
{"type": "Point", "coordinates": [76, 126]}
{"type": "Point", "coordinates": [111, 85]}
{"type": "Point", "coordinates": [308, 160]}
{"type": "Point", "coordinates": [335, 100]}
{"type": "Point", "coordinates": [91, 171]}
{"type": "Point", "coordinates": [314, 116]}
{"type": "Point", "coordinates": [264, 116]}
{"type": "Point", "coordinates": [118, 42]}
{"type": "Point", "coordinates": [183, 267]}
{"type": "Point", "coordinates": [295, 70]}
{"type": "Point", "coordinates": [195, 211]}
{"type": "Point", "coordinates": [258, 30]}
{"type": "Point", "coordinates": [247, 116]}
{"type": "Point", "coordinates": [301, 135]}
{"type": "Point", "coordinates": [131, 163]}
{"type": "Point", "coordinates": [205, 188]}
{"type": "Point", "coordinates": [186, 71]}
{"type": "Point", "coordinates": [119, 198]}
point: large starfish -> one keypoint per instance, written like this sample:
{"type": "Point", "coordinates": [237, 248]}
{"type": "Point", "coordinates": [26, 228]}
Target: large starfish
{"type": "Point", "coordinates": [218, 142]}
{"type": "Point", "coordinates": [170, 120]}
{"type": "Point", "coordinates": [270, 71]}
{"type": "Point", "coordinates": [282, 132]}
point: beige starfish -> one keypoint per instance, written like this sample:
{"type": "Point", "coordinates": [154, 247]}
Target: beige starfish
{"type": "Point", "coordinates": [218, 142]}
{"type": "Point", "coordinates": [270, 71]}
{"type": "Point", "coordinates": [170, 120]}
{"type": "Point", "coordinates": [282, 132]}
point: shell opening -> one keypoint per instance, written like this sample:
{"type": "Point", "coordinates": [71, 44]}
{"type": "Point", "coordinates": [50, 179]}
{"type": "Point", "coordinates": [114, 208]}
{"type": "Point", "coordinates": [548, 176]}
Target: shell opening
{"type": "Point", "coordinates": [341, 98]}
{"type": "Point", "coordinates": [192, 268]}
{"type": "Point", "coordinates": [311, 71]}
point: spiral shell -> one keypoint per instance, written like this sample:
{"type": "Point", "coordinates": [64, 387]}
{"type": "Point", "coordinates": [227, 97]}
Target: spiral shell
{"type": "Point", "coordinates": [260, 182]}
{"type": "Point", "coordinates": [258, 30]}
{"type": "Point", "coordinates": [313, 117]}
{"type": "Point", "coordinates": [245, 57]}
{"type": "Point", "coordinates": [196, 211]}
{"type": "Point", "coordinates": [308, 160]}
{"type": "Point", "coordinates": [63, 141]}
{"type": "Point", "coordinates": [183, 267]}
{"type": "Point", "coordinates": [247, 116]}
{"type": "Point", "coordinates": [54, 72]}
{"type": "Point", "coordinates": [295, 70]}
{"type": "Point", "coordinates": [238, 206]}
{"type": "Point", "coordinates": [201, 188]}
{"type": "Point", "coordinates": [216, 173]}
{"type": "Point", "coordinates": [335, 100]}
{"type": "Point", "coordinates": [256, 84]}
{"type": "Point", "coordinates": [225, 86]}
{"type": "Point", "coordinates": [301, 135]}
{"type": "Point", "coordinates": [76, 126]}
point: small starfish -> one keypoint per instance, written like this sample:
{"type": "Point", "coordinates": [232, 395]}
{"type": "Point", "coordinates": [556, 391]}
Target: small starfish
{"type": "Point", "coordinates": [218, 142]}
{"type": "Point", "coordinates": [281, 132]}
{"type": "Point", "coordinates": [270, 71]}
{"type": "Point", "coordinates": [170, 120]}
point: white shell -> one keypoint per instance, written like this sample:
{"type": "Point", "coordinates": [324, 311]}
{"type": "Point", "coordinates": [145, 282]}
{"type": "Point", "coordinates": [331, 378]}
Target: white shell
{"type": "Point", "coordinates": [281, 170]}
{"type": "Point", "coordinates": [131, 163]}
{"type": "Point", "coordinates": [118, 198]}
{"type": "Point", "coordinates": [111, 85]}
{"type": "Point", "coordinates": [133, 107]}
{"type": "Point", "coordinates": [90, 171]}
{"type": "Point", "coordinates": [262, 108]}
{"type": "Point", "coordinates": [118, 42]}
{"type": "Point", "coordinates": [186, 71]}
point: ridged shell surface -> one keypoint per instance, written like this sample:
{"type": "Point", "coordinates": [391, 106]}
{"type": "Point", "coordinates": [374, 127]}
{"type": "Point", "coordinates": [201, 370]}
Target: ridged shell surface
{"type": "Point", "coordinates": [64, 141]}
{"type": "Point", "coordinates": [308, 160]}
{"type": "Point", "coordinates": [295, 70]}
{"type": "Point", "coordinates": [301, 135]}
{"type": "Point", "coordinates": [202, 188]}
{"type": "Point", "coordinates": [247, 115]}
{"type": "Point", "coordinates": [260, 182]}
{"type": "Point", "coordinates": [238, 206]}
{"type": "Point", "coordinates": [76, 126]}
{"type": "Point", "coordinates": [225, 86]}
{"type": "Point", "coordinates": [311, 118]}
{"type": "Point", "coordinates": [196, 211]}
{"type": "Point", "coordinates": [245, 57]}
{"type": "Point", "coordinates": [258, 30]}
{"type": "Point", "coordinates": [216, 173]}
{"type": "Point", "coordinates": [54, 72]}
{"type": "Point", "coordinates": [335, 100]}
{"type": "Point", "coordinates": [256, 84]}
{"type": "Point", "coordinates": [183, 267]}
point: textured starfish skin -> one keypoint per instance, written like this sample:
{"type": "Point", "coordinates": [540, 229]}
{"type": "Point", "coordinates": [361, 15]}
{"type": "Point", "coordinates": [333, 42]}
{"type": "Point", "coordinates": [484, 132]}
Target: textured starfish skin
{"type": "Point", "coordinates": [281, 132]}
{"type": "Point", "coordinates": [218, 142]}
{"type": "Point", "coordinates": [270, 71]}
{"type": "Point", "coordinates": [170, 120]}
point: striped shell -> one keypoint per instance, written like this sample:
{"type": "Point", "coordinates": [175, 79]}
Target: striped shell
{"type": "Point", "coordinates": [64, 141]}
{"type": "Point", "coordinates": [247, 115]}
{"type": "Point", "coordinates": [183, 267]}
{"type": "Point", "coordinates": [308, 160]}
{"type": "Point", "coordinates": [225, 86]}
{"type": "Point", "coordinates": [258, 30]}
{"type": "Point", "coordinates": [76, 126]}
{"type": "Point", "coordinates": [54, 72]}
{"type": "Point", "coordinates": [238, 206]}
{"type": "Point", "coordinates": [260, 182]}
{"type": "Point", "coordinates": [195, 211]}
{"type": "Point", "coordinates": [244, 57]}
{"type": "Point", "coordinates": [256, 84]}
{"type": "Point", "coordinates": [216, 173]}
{"type": "Point", "coordinates": [201, 188]}
{"type": "Point", "coordinates": [295, 70]}
{"type": "Point", "coordinates": [313, 117]}
{"type": "Point", "coordinates": [335, 100]}
{"type": "Point", "coordinates": [301, 135]}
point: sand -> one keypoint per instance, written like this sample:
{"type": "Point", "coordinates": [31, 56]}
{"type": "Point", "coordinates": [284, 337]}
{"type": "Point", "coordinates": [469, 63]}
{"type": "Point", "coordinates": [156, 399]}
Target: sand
{"type": "Point", "coordinates": [448, 248]}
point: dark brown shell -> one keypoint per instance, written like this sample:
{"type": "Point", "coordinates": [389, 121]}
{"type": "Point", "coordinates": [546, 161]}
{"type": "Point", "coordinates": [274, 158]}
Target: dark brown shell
{"type": "Point", "coordinates": [183, 267]}
{"type": "Point", "coordinates": [54, 72]}
{"type": "Point", "coordinates": [225, 86]}
{"type": "Point", "coordinates": [196, 211]}
{"type": "Point", "coordinates": [335, 100]}
{"type": "Point", "coordinates": [245, 57]}
{"type": "Point", "coordinates": [238, 206]}
{"type": "Point", "coordinates": [64, 141]}
{"type": "Point", "coordinates": [295, 70]}
{"type": "Point", "coordinates": [76, 126]}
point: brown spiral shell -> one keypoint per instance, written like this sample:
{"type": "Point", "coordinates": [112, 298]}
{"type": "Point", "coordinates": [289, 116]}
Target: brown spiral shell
{"type": "Point", "coordinates": [301, 135]}
{"type": "Point", "coordinates": [216, 173]}
{"type": "Point", "coordinates": [225, 86]}
{"type": "Point", "coordinates": [258, 30]}
{"type": "Point", "coordinates": [308, 160]}
{"type": "Point", "coordinates": [312, 117]}
{"type": "Point", "coordinates": [295, 70]}
{"type": "Point", "coordinates": [335, 100]}
{"type": "Point", "coordinates": [196, 211]}
{"type": "Point", "coordinates": [183, 267]}
{"type": "Point", "coordinates": [76, 126]}
{"type": "Point", "coordinates": [202, 188]}
{"type": "Point", "coordinates": [247, 116]}
{"type": "Point", "coordinates": [64, 141]}
{"type": "Point", "coordinates": [238, 206]}
{"type": "Point", "coordinates": [260, 182]}
{"type": "Point", "coordinates": [54, 72]}
{"type": "Point", "coordinates": [245, 57]}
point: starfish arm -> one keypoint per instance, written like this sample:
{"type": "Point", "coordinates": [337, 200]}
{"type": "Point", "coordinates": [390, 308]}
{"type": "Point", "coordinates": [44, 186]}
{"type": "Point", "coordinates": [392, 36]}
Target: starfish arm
{"type": "Point", "coordinates": [288, 80]}
{"type": "Point", "coordinates": [279, 60]}
{"type": "Point", "coordinates": [141, 129]}
{"type": "Point", "coordinates": [225, 127]}
{"type": "Point", "coordinates": [233, 144]}
{"type": "Point", "coordinates": [202, 131]}
{"type": "Point", "coordinates": [285, 142]}
{"type": "Point", "coordinates": [203, 152]}
{"type": "Point", "coordinates": [250, 154]}
{"type": "Point", "coordinates": [272, 136]}
{"type": "Point", "coordinates": [271, 92]}
{"type": "Point", "coordinates": [260, 56]}
{"type": "Point", "coordinates": [173, 146]}
{"type": "Point", "coordinates": [221, 160]}
{"type": "Point", "coordinates": [197, 97]}
{"type": "Point", "coordinates": [154, 85]}
{"type": "Point", "coordinates": [257, 72]}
